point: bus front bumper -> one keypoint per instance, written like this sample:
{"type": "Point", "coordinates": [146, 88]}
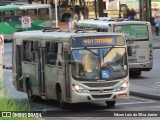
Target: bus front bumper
{"type": "Point", "coordinates": [144, 66]}
{"type": "Point", "coordinates": [99, 96]}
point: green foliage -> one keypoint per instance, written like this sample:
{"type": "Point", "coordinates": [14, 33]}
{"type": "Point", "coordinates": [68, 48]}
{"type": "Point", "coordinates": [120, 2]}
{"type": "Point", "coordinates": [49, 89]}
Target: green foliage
{"type": "Point", "coordinates": [10, 104]}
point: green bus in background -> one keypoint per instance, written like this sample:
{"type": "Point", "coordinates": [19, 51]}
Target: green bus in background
{"type": "Point", "coordinates": [11, 15]}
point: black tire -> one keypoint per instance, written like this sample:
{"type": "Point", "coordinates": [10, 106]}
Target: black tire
{"type": "Point", "coordinates": [135, 73]}
{"type": "Point", "coordinates": [110, 104]}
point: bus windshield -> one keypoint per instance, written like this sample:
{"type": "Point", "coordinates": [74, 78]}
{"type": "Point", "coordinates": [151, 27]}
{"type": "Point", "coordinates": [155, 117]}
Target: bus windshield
{"type": "Point", "coordinates": [134, 32]}
{"type": "Point", "coordinates": [100, 63]}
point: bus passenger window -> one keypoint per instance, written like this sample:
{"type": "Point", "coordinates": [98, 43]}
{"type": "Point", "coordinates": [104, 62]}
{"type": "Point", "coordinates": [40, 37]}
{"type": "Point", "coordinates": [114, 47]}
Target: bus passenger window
{"type": "Point", "coordinates": [43, 14]}
{"type": "Point", "coordinates": [32, 13]}
{"type": "Point", "coordinates": [30, 50]}
{"type": "Point", "coordinates": [34, 51]}
{"type": "Point", "coordinates": [27, 51]}
{"type": "Point", "coordinates": [8, 16]}
{"type": "Point", "coordinates": [19, 14]}
{"type": "Point", "coordinates": [105, 30]}
{"type": "Point", "coordinates": [51, 53]}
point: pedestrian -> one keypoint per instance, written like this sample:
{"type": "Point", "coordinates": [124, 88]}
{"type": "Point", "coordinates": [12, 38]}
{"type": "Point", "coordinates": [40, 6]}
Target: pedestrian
{"type": "Point", "coordinates": [81, 16]}
{"type": "Point", "coordinates": [131, 14]}
{"type": "Point", "coordinates": [76, 18]}
{"type": "Point", "coordinates": [70, 24]}
{"type": "Point", "coordinates": [156, 20]}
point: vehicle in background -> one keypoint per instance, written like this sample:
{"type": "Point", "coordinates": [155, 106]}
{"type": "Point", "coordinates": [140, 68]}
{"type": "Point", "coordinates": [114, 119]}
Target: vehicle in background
{"type": "Point", "coordinates": [11, 17]}
{"type": "Point", "coordinates": [138, 36]}
{"type": "Point", "coordinates": [71, 67]}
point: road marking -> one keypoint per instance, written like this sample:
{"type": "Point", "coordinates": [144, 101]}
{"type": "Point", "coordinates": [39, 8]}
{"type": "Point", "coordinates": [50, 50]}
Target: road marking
{"type": "Point", "coordinates": [142, 99]}
{"type": "Point", "coordinates": [131, 103]}
{"type": "Point", "coordinates": [155, 87]}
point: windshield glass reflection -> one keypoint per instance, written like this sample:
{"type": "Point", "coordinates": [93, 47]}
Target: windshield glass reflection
{"type": "Point", "coordinates": [94, 64]}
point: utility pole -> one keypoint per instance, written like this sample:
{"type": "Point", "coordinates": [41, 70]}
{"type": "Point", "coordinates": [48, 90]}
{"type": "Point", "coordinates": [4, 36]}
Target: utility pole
{"type": "Point", "coordinates": [100, 8]}
{"type": "Point", "coordinates": [95, 8]}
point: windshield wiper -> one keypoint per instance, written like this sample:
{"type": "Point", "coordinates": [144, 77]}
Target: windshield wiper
{"type": "Point", "coordinates": [91, 51]}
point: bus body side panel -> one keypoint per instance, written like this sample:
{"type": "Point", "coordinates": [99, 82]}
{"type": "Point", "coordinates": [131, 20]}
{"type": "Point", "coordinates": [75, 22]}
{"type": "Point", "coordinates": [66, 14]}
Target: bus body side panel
{"type": "Point", "coordinates": [52, 75]}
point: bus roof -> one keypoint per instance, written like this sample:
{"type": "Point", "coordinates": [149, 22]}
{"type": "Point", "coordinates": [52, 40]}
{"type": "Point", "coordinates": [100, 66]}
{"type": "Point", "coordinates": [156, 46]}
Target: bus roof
{"type": "Point", "coordinates": [60, 36]}
{"type": "Point", "coordinates": [101, 23]}
{"type": "Point", "coordinates": [23, 6]}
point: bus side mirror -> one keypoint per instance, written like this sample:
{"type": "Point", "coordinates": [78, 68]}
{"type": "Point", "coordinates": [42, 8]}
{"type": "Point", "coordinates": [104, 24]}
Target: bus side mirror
{"type": "Point", "coordinates": [129, 49]}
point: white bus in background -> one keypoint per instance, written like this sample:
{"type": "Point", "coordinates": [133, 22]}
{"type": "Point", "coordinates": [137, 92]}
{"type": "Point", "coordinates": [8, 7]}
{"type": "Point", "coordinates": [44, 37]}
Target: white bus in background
{"type": "Point", "coordinates": [12, 14]}
{"type": "Point", "coordinates": [71, 67]}
{"type": "Point", "coordinates": [139, 39]}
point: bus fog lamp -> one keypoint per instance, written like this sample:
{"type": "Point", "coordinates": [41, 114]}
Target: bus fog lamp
{"type": "Point", "coordinates": [78, 88]}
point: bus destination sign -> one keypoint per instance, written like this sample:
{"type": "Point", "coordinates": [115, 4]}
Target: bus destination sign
{"type": "Point", "coordinates": [94, 41]}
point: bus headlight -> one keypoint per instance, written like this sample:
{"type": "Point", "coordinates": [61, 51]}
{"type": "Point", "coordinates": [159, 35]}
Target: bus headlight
{"type": "Point", "coordinates": [123, 86]}
{"type": "Point", "coordinates": [78, 88]}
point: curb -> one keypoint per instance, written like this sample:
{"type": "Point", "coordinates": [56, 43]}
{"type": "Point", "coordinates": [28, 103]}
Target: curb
{"type": "Point", "coordinates": [148, 96]}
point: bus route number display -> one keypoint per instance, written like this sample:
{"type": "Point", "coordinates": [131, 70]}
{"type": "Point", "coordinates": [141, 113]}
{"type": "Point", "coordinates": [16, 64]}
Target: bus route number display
{"type": "Point", "coordinates": [95, 41]}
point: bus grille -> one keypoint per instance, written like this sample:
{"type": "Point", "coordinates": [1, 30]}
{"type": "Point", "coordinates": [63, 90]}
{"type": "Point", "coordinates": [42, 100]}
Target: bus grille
{"type": "Point", "coordinates": [97, 90]}
{"type": "Point", "coordinates": [101, 96]}
{"type": "Point", "coordinates": [107, 84]}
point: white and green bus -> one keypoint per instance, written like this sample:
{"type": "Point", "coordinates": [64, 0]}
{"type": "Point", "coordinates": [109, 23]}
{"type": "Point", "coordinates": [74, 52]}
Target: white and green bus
{"type": "Point", "coordinates": [71, 67]}
{"type": "Point", "coordinates": [11, 15]}
{"type": "Point", "coordinates": [138, 36]}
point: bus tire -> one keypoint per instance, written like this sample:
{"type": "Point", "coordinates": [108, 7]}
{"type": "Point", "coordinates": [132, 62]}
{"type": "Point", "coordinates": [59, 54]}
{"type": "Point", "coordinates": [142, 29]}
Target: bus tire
{"type": "Point", "coordinates": [135, 73]}
{"type": "Point", "coordinates": [110, 104]}
{"type": "Point", "coordinates": [31, 98]}
{"type": "Point", "coordinates": [62, 104]}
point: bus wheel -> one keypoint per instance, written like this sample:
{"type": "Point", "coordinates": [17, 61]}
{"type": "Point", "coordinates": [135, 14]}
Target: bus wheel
{"type": "Point", "coordinates": [110, 104]}
{"type": "Point", "coordinates": [135, 73]}
{"type": "Point", "coordinates": [139, 73]}
{"type": "Point", "coordinates": [63, 105]}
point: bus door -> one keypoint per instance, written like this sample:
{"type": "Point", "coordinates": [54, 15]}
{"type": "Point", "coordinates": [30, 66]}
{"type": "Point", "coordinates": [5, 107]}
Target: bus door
{"type": "Point", "coordinates": [41, 52]}
{"type": "Point", "coordinates": [19, 66]}
{"type": "Point", "coordinates": [67, 75]}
